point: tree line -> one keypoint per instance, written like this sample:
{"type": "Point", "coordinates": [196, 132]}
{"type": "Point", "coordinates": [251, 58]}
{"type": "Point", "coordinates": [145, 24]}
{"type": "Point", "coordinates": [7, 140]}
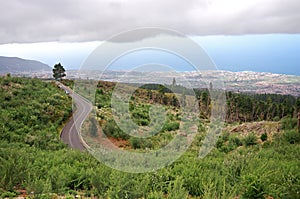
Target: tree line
{"type": "Point", "coordinates": [241, 107]}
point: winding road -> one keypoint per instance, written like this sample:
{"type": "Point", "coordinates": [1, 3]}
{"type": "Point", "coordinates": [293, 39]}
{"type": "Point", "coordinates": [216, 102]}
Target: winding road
{"type": "Point", "coordinates": [70, 134]}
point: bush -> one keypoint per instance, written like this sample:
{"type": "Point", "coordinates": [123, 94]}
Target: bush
{"type": "Point", "coordinates": [219, 143]}
{"type": "Point", "coordinates": [176, 189]}
{"type": "Point", "coordinates": [201, 127]}
{"type": "Point", "coordinates": [264, 137]}
{"type": "Point", "coordinates": [8, 195]}
{"type": "Point", "coordinates": [289, 123]}
{"type": "Point", "coordinates": [171, 126]}
{"type": "Point", "coordinates": [111, 129]}
{"type": "Point", "coordinates": [250, 140]}
{"type": "Point", "coordinates": [135, 143]}
{"type": "Point", "coordinates": [292, 136]}
{"type": "Point", "coordinates": [276, 119]}
{"type": "Point", "coordinates": [255, 187]}
{"type": "Point", "coordinates": [140, 115]}
{"type": "Point", "coordinates": [226, 148]}
{"type": "Point", "coordinates": [140, 143]}
{"type": "Point", "coordinates": [235, 141]}
{"type": "Point", "coordinates": [225, 136]}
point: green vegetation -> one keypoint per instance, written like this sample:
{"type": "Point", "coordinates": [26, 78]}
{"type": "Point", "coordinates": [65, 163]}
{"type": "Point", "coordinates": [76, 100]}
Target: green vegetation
{"type": "Point", "coordinates": [292, 136]}
{"type": "Point", "coordinates": [32, 112]}
{"type": "Point", "coordinates": [33, 159]}
{"type": "Point", "coordinates": [288, 123]}
{"type": "Point", "coordinates": [250, 140]}
{"type": "Point", "coordinates": [264, 137]}
{"type": "Point", "coordinates": [58, 72]}
{"type": "Point", "coordinates": [241, 107]}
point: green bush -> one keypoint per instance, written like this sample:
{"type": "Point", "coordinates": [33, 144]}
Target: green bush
{"type": "Point", "coordinates": [235, 141]}
{"type": "Point", "coordinates": [228, 143]}
{"type": "Point", "coordinates": [264, 137]}
{"type": "Point", "coordinates": [255, 187]}
{"type": "Point", "coordinates": [140, 143]}
{"type": "Point", "coordinates": [140, 114]}
{"type": "Point", "coordinates": [135, 143]}
{"type": "Point", "coordinates": [8, 194]}
{"type": "Point", "coordinates": [68, 82]}
{"type": "Point", "coordinates": [219, 143]}
{"type": "Point", "coordinates": [102, 101]}
{"type": "Point", "coordinates": [201, 127]}
{"type": "Point", "coordinates": [276, 118]}
{"type": "Point", "coordinates": [227, 148]}
{"type": "Point", "coordinates": [176, 190]}
{"type": "Point", "coordinates": [171, 126]}
{"type": "Point", "coordinates": [289, 123]}
{"type": "Point", "coordinates": [250, 140]}
{"type": "Point", "coordinates": [111, 129]}
{"type": "Point", "coordinates": [225, 136]}
{"type": "Point", "coordinates": [292, 136]}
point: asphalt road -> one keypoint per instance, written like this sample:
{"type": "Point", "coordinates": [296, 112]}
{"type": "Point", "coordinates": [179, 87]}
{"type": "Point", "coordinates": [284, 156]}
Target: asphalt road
{"type": "Point", "coordinates": [70, 134]}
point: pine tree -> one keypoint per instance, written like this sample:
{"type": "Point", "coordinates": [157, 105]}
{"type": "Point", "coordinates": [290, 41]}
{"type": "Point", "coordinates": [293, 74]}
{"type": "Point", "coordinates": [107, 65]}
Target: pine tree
{"type": "Point", "coordinates": [174, 82]}
{"type": "Point", "coordinates": [58, 72]}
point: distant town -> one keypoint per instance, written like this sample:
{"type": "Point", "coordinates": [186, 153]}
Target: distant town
{"type": "Point", "coordinates": [246, 81]}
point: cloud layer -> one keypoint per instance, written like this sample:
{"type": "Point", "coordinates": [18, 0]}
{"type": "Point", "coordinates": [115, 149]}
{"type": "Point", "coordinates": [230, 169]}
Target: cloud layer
{"type": "Point", "coordinates": [76, 20]}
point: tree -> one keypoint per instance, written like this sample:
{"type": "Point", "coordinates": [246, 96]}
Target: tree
{"type": "Point", "coordinates": [297, 106]}
{"type": "Point", "coordinates": [174, 82]}
{"type": "Point", "coordinates": [58, 72]}
{"type": "Point", "coordinates": [161, 91]}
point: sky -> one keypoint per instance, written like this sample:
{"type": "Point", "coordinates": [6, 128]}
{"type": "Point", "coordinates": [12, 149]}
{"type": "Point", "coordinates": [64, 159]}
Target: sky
{"type": "Point", "coordinates": [238, 35]}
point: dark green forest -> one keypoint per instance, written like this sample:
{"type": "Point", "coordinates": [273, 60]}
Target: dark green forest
{"type": "Point", "coordinates": [36, 164]}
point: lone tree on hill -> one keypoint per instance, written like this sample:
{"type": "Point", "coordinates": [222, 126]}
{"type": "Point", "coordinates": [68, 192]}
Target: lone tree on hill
{"type": "Point", "coordinates": [58, 72]}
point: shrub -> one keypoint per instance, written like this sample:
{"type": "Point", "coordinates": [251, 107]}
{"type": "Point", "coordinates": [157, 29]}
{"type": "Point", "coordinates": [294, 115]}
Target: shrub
{"type": "Point", "coordinates": [288, 123]}
{"type": "Point", "coordinates": [8, 195]}
{"type": "Point", "coordinates": [140, 143]}
{"type": "Point", "coordinates": [135, 143]}
{"type": "Point", "coordinates": [235, 141]}
{"type": "Point", "coordinates": [201, 127]}
{"type": "Point", "coordinates": [141, 116]}
{"type": "Point", "coordinates": [250, 140]}
{"type": "Point", "coordinates": [276, 119]}
{"type": "Point", "coordinates": [219, 143]}
{"type": "Point", "coordinates": [143, 122]}
{"type": "Point", "coordinates": [264, 137]}
{"type": "Point", "coordinates": [171, 126]}
{"type": "Point", "coordinates": [111, 129]}
{"type": "Point", "coordinates": [225, 136]}
{"type": "Point", "coordinates": [292, 136]}
{"type": "Point", "coordinates": [227, 148]}
{"type": "Point", "coordinates": [254, 187]}
{"type": "Point", "coordinates": [176, 189]}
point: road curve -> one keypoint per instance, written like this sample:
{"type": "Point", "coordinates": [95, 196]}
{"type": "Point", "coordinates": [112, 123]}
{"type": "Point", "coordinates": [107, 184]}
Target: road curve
{"type": "Point", "coordinates": [70, 134]}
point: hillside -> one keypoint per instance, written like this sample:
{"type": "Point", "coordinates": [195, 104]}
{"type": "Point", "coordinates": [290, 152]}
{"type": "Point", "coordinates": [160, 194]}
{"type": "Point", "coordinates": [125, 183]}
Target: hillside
{"type": "Point", "coordinates": [250, 159]}
{"type": "Point", "coordinates": [34, 163]}
{"type": "Point", "coordinates": [17, 65]}
{"type": "Point", "coordinates": [31, 111]}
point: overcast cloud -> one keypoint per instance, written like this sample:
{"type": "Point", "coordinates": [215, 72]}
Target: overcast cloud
{"type": "Point", "coordinates": [29, 21]}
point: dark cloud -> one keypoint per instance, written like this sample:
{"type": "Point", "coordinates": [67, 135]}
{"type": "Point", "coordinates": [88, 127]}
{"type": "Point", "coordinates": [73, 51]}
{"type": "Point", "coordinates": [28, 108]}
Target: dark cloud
{"type": "Point", "coordinates": [88, 20]}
